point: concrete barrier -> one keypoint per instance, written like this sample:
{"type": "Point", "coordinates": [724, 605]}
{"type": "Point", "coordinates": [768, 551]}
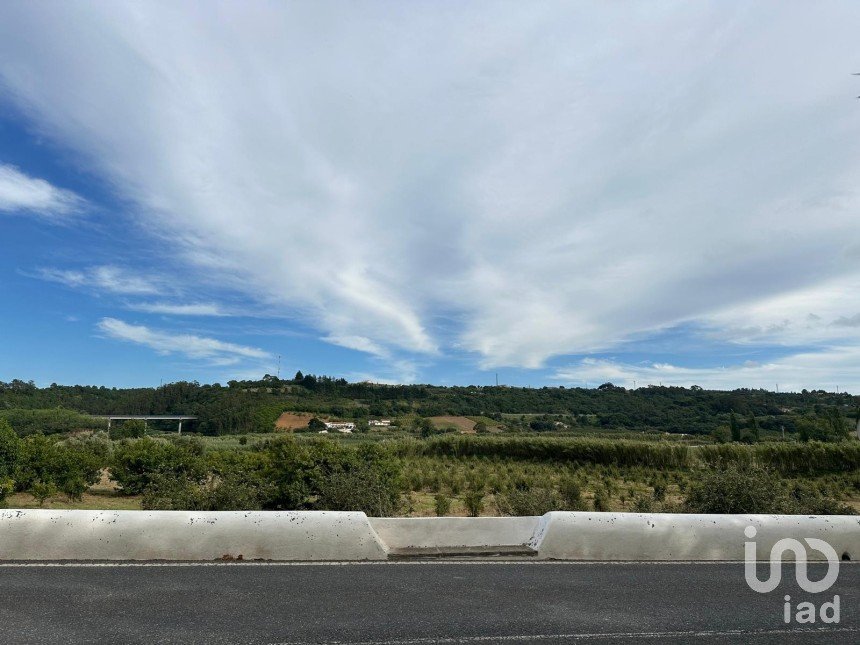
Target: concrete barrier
{"type": "Point", "coordinates": [327, 536]}
{"type": "Point", "coordinates": [665, 536]}
{"type": "Point", "coordinates": [185, 535]}
{"type": "Point", "coordinates": [456, 535]}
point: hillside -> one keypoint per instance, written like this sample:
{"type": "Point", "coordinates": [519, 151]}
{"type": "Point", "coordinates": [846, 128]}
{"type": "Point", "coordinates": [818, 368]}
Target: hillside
{"type": "Point", "coordinates": [254, 406]}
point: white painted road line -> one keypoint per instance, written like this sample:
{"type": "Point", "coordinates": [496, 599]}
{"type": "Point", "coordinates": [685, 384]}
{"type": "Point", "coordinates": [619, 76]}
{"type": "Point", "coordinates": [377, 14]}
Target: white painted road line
{"type": "Point", "coordinates": [684, 635]}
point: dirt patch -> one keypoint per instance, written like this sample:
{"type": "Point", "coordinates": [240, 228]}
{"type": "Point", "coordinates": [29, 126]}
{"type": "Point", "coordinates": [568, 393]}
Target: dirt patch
{"type": "Point", "coordinates": [290, 421]}
{"type": "Point", "coordinates": [463, 424]}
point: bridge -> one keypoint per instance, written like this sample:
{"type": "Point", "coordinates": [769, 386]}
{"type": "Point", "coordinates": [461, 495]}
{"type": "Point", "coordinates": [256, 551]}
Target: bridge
{"type": "Point", "coordinates": [146, 418]}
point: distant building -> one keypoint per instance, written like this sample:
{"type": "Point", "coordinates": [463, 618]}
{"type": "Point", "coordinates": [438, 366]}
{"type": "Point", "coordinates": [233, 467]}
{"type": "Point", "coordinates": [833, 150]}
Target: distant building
{"type": "Point", "coordinates": [380, 422]}
{"type": "Point", "coordinates": [344, 426]}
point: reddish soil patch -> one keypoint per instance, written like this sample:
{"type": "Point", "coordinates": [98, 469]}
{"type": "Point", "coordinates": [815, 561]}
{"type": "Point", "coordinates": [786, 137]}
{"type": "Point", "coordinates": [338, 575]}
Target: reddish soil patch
{"type": "Point", "coordinates": [290, 421]}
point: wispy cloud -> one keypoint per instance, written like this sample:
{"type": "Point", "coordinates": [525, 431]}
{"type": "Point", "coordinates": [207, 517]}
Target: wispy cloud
{"type": "Point", "coordinates": [580, 175]}
{"type": "Point", "coordinates": [828, 368]}
{"type": "Point", "coordinates": [109, 279]}
{"type": "Point", "coordinates": [190, 345]}
{"type": "Point", "coordinates": [20, 193]}
{"type": "Point", "coordinates": [179, 309]}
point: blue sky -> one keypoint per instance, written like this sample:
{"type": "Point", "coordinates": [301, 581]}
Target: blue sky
{"type": "Point", "coordinates": [431, 192]}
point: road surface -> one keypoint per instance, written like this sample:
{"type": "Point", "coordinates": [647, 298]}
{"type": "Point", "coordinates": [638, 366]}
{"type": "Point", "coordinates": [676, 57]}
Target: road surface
{"type": "Point", "coordinates": [410, 603]}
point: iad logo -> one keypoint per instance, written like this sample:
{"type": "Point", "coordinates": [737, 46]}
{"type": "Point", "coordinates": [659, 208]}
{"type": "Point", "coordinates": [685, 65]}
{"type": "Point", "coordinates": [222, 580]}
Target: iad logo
{"type": "Point", "coordinates": [829, 611]}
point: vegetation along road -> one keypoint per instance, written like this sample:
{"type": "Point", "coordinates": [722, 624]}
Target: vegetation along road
{"type": "Point", "coordinates": [441, 451]}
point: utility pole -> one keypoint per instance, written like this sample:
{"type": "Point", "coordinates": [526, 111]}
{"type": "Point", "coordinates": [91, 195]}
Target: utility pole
{"type": "Point", "coordinates": [279, 367]}
{"type": "Point", "coordinates": [497, 379]}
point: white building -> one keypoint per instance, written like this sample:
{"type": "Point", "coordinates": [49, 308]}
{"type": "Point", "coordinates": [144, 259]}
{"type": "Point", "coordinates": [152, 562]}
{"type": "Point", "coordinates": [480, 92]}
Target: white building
{"type": "Point", "coordinates": [380, 422]}
{"type": "Point", "coordinates": [344, 427]}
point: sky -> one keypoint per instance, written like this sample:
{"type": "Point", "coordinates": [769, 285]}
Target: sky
{"type": "Point", "coordinates": [434, 192]}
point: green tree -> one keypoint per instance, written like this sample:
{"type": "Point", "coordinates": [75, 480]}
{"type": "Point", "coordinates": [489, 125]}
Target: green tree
{"type": "Point", "coordinates": [10, 450]}
{"type": "Point", "coordinates": [721, 434]}
{"type": "Point", "coordinates": [42, 491]}
{"type": "Point", "coordinates": [316, 425]}
{"type": "Point", "coordinates": [734, 427]}
{"type": "Point", "coordinates": [837, 425]}
{"type": "Point", "coordinates": [753, 429]}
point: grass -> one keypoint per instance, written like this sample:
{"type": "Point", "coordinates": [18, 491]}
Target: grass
{"type": "Point", "coordinates": [93, 501]}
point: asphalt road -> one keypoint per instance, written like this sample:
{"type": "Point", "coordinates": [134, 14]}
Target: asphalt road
{"type": "Point", "coordinates": [410, 603]}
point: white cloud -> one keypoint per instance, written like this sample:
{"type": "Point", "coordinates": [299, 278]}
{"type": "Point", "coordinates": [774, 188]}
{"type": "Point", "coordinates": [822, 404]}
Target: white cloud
{"type": "Point", "coordinates": [825, 314]}
{"type": "Point", "coordinates": [520, 181]}
{"type": "Point", "coordinates": [178, 309]}
{"type": "Point", "coordinates": [196, 347]}
{"type": "Point", "coordinates": [21, 193]}
{"type": "Point", "coordinates": [830, 369]}
{"type": "Point", "coordinates": [110, 279]}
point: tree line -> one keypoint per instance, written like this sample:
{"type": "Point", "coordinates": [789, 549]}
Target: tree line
{"type": "Point", "coordinates": [252, 406]}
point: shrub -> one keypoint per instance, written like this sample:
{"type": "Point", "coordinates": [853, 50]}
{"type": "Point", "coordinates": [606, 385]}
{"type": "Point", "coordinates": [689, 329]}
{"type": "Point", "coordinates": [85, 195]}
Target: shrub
{"type": "Point", "coordinates": [7, 487]}
{"type": "Point", "coordinates": [74, 488]}
{"type": "Point", "coordinates": [128, 429]}
{"type": "Point", "coordinates": [756, 489]}
{"type": "Point", "coordinates": [571, 494]}
{"type": "Point", "coordinates": [442, 504]}
{"type": "Point", "coordinates": [42, 491]}
{"type": "Point", "coordinates": [808, 499]}
{"type": "Point", "coordinates": [329, 476]}
{"type": "Point", "coordinates": [368, 485]}
{"type": "Point", "coordinates": [50, 421]}
{"type": "Point", "coordinates": [581, 451]}
{"type": "Point", "coordinates": [135, 462]}
{"type": "Point", "coordinates": [601, 502]}
{"type": "Point", "coordinates": [71, 466]}
{"type": "Point", "coordinates": [534, 501]}
{"type": "Point", "coordinates": [474, 502]}
{"type": "Point", "coordinates": [643, 504]}
{"type": "Point", "coordinates": [230, 493]}
{"type": "Point", "coordinates": [739, 488]}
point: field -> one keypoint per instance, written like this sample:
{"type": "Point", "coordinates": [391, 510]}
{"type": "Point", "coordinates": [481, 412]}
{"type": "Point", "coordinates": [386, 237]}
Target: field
{"type": "Point", "coordinates": [461, 424]}
{"type": "Point", "coordinates": [459, 475]}
{"type": "Point", "coordinates": [292, 421]}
